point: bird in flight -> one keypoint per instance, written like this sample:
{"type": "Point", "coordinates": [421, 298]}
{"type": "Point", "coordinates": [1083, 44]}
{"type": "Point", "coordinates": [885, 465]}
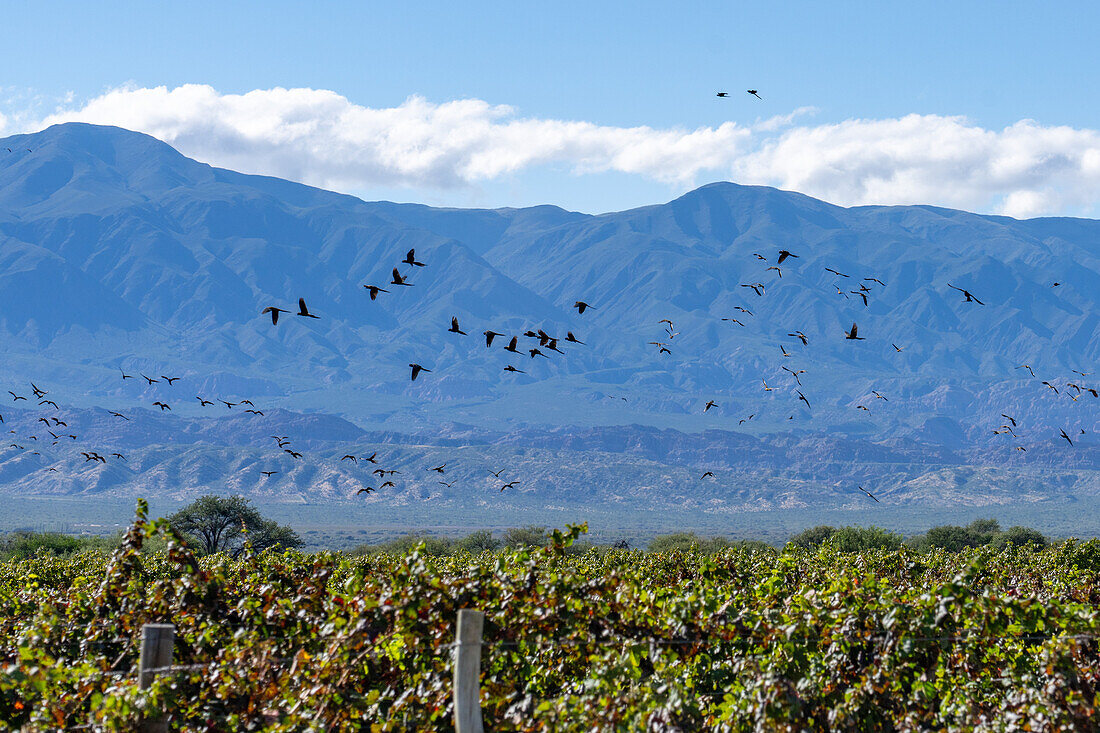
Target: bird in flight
{"type": "Point", "coordinates": [150, 380]}
{"type": "Point", "coordinates": [581, 306]}
{"type": "Point", "coordinates": [865, 491]}
{"type": "Point", "coordinates": [1006, 417]}
{"type": "Point", "coordinates": [801, 337]}
{"type": "Point", "coordinates": [750, 417]}
{"type": "Point", "coordinates": [375, 290]}
{"type": "Point", "coordinates": [372, 458]}
{"type": "Point", "coordinates": [388, 483]}
{"type": "Point", "coordinates": [734, 320]}
{"type": "Point", "coordinates": [839, 274]}
{"type": "Point", "coordinates": [1028, 367]}
{"type": "Point", "coordinates": [38, 392]}
{"type": "Point", "coordinates": [398, 280]}
{"type": "Point", "coordinates": [496, 473]}
{"type": "Point", "coordinates": [862, 295]}
{"type": "Point", "coordinates": [444, 483]}
{"type": "Point", "coordinates": [875, 280]}
{"type": "Point", "coordinates": [753, 93]}
{"type": "Point", "coordinates": [742, 310]}
{"type": "Point", "coordinates": [897, 348]}
{"type": "Point", "coordinates": [1051, 386]}
{"type": "Point", "coordinates": [852, 335]}
{"type": "Point", "coordinates": [416, 369]}
{"type": "Point", "coordinates": [364, 490]}
{"type": "Point", "coordinates": [202, 402]}
{"type": "Point", "coordinates": [303, 311]}
{"type": "Point", "coordinates": [512, 345]}
{"type": "Point", "coordinates": [350, 457]}
{"type": "Point", "coordinates": [708, 473]}
{"type": "Point", "coordinates": [410, 259]}
{"type": "Point", "coordinates": [757, 288]}
{"type": "Point", "coordinates": [439, 469]}
{"type": "Point", "coordinates": [489, 336]}
{"type": "Point", "coordinates": [162, 406]}
{"type": "Point", "coordinates": [49, 402]}
{"type": "Point", "coordinates": [170, 380]}
{"type": "Point", "coordinates": [511, 368]}
{"type": "Point", "coordinates": [795, 374]}
{"type": "Point", "coordinates": [269, 473]}
{"type": "Point", "coordinates": [16, 397]}
{"type": "Point", "coordinates": [710, 404]}
{"type": "Point", "coordinates": [773, 267]}
{"type": "Point", "coordinates": [572, 339]}
{"type": "Point", "coordinates": [509, 485]}
{"type": "Point", "coordinates": [784, 350]}
{"type": "Point", "coordinates": [118, 414]}
{"type": "Point", "coordinates": [803, 398]}
{"type": "Point", "coordinates": [1066, 437]}
{"type": "Point", "coordinates": [784, 254]}
{"type": "Point", "coordinates": [720, 94]}
{"type": "Point", "coordinates": [228, 405]}
{"type": "Point", "coordinates": [877, 395]}
{"type": "Point", "coordinates": [454, 327]}
{"type": "Point", "coordinates": [969, 296]}
{"type": "Point", "coordinates": [536, 352]}
{"type": "Point", "coordinates": [294, 454]}
{"type": "Point", "coordinates": [766, 387]}
{"type": "Point", "coordinates": [274, 317]}
{"type": "Point", "coordinates": [124, 374]}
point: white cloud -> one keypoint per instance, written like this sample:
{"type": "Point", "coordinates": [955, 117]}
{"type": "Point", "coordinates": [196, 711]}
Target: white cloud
{"type": "Point", "coordinates": [319, 137]}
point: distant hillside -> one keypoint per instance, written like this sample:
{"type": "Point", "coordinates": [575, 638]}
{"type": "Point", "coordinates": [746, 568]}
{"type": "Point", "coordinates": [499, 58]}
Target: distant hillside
{"type": "Point", "coordinates": [118, 252]}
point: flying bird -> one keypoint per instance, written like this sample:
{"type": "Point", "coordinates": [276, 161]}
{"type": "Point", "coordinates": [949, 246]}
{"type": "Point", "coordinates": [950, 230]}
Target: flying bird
{"type": "Point", "coordinates": [454, 327]}
{"type": "Point", "coordinates": [803, 398]}
{"type": "Point", "coordinates": [720, 94]}
{"type": "Point", "coordinates": [581, 306]}
{"type": "Point", "coordinates": [303, 311]}
{"type": "Point", "coordinates": [1006, 417]}
{"type": "Point", "coordinates": [268, 473]}
{"type": "Point", "coordinates": [757, 288]}
{"type": "Point", "coordinates": [969, 296]}
{"type": "Point", "coordinates": [398, 280]}
{"type": "Point", "coordinates": [410, 259]}
{"type": "Point", "coordinates": [294, 454]}
{"type": "Point", "coordinates": [801, 337]}
{"type": "Point", "coordinates": [865, 491]}
{"type": "Point", "coordinates": [784, 254]}
{"type": "Point", "coordinates": [1066, 437]}
{"type": "Point", "coordinates": [1051, 386]}
{"type": "Point", "coordinates": [375, 290]}
{"type": "Point", "coordinates": [1028, 367]}
{"type": "Point", "coordinates": [489, 336]}
{"type": "Point", "coordinates": [416, 369]}
{"type": "Point", "coordinates": [274, 316]}
{"type": "Point", "coordinates": [228, 405]}
{"type": "Point", "coordinates": [38, 392]}
{"type": "Point", "coordinates": [897, 348]}
{"type": "Point", "coordinates": [202, 402]}
{"type": "Point", "coordinates": [734, 320]}
{"type": "Point", "coordinates": [509, 485]}
{"type": "Point", "coordinates": [511, 368]}
{"type": "Point", "coordinates": [536, 352]}
{"type": "Point", "coordinates": [388, 483]}
{"type": "Point", "coordinates": [838, 274]}
{"type": "Point", "coordinates": [124, 374]}
{"type": "Point", "coordinates": [364, 490]}
{"type": "Point", "coordinates": [852, 335]}
{"type": "Point", "coordinates": [708, 473]}
{"type": "Point", "coordinates": [875, 280]}
{"type": "Point", "coordinates": [162, 406]}
{"type": "Point", "coordinates": [350, 457]}
{"type": "Point", "coordinates": [862, 295]}
{"type": "Point", "coordinates": [170, 380]}
{"type": "Point", "coordinates": [710, 404]}
{"type": "Point", "coordinates": [496, 473]}
{"type": "Point", "coordinates": [439, 469]}
{"type": "Point", "coordinates": [773, 267]}
{"type": "Point", "coordinates": [150, 380]}
{"type": "Point", "coordinates": [753, 93]}
{"type": "Point", "coordinates": [572, 339]}
{"type": "Point", "coordinates": [118, 414]}
{"type": "Point", "coordinates": [512, 345]}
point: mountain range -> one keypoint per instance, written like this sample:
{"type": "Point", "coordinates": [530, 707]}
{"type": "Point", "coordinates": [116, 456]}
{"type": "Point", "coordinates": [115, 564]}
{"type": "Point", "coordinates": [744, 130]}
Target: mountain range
{"type": "Point", "coordinates": [118, 255]}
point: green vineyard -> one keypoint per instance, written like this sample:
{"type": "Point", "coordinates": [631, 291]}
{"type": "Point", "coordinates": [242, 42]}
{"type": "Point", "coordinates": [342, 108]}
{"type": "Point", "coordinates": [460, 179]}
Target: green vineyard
{"type": "Point", "coordinates": [741, 640]}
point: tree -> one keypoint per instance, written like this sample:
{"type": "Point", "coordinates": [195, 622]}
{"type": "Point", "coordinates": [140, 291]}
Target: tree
{"type": "Point", "coordinates": [1020, 536]}
{"type": "Point", "coordinates": [532, 536]}
{"type": "Point", "coordinates": [812, 537]}
{"type": "Point", "coordinates": [480, 541]}
{"type": "Point", "coordinates": [219, 524]}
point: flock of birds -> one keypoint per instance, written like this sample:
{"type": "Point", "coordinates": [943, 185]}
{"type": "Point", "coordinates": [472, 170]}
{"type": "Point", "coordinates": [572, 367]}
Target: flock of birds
{"type": "Point", "coordinates": [57, 428]}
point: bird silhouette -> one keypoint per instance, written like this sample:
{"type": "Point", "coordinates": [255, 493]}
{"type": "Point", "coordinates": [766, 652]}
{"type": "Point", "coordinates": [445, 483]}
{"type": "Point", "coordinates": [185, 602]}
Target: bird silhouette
{"type": "Point", "coordinates": [757, 288]}
{"type": "Point", "coordinates": [838, 274]}
{"type": "Point", "coordinates": [372, 458]}
{"type": "Point", "coordinates": [862, 295]}
{"type": "Point", "coordinates": [150, 380]}
{"type": "Point", "coordinates": [1006, 417]}
{"type": "Point", "coordinates": [255, 412]}
{"type": "Point", "coordinates": [349, 457]}
{"type": "Point", "coordinates": [865, 491]}
{"type": "Point", "coordinates": [801, 337]}
{"type": "Point", "coordinates": [119, 456]}
{"type": "Point", "coordinates": [852, 335]}
{"type": "Point", "coordinates": [124, 374]}
{"type": "Point", "coordinates": [375, 290]}
{"type": "Point", "coordinates": [766, 387]}
{"type": "Point", "coordinates": [202, 402]}
{"type": "Point", "coordinates": [489, 336]}
{"type": "Point", "coordinates": [303, 311]}
{"type": "Point", "coordinates": [49, 402]}
{"type": "Point", "coordinates": [496, 473]}
{"type": "Point", "coordinates": [228, 405]}
{"type": "Point", "coordinates": [512, 346]}
{"type": "Point", "coordinates": [274, 313]}
{"type": "Point", "coordinates": [116, 414]}
{"type": "Point", "coordinates": [444, 483]}
{"type": "Point", "coordinates": [878, 396]}
{"type": "Point", "coordinates": [410, 259]}
{"type": "Point", "coordinates": [398, 280]}
{"type": "Point", "coordinates": [511, 368]}
{"type": "Point", "coordinates": [509, 485]}
{"type": "Point", "coordinates": [572, 339]}
{"type": "Point", "coordinates": [784, 254]}
{"type": "Point", "coordinates": [742, 310]}
{"type": "Point", "coordinates": [1066, 437]}
{"type": "Point", "coordinates": [708, 473]}
{"type": "Point", "coordinates": [753, 93]}
{"type": "Point", "coordinates": [795, 374]}
{"type": "Point", "coordinates": [1051, 386]}
{"type": "Point", "coordinates": [162, 406]}
{"type": "Point", "coordinates": [294, 454]}
{"type": "Point", "coordinates": [581, 306]}
{"type": "Point", "coordinates": [439, 469]}
{"type": "Point", "coordinates": [720, 94]}
{"type": "Point", "coordinates": [536, 352]}
{"type": "Point", "coordinates": [388, 483]}
{"type": "Point", "coordinates": [875, 280]}
{"type": "Point", "coordinates": [170, 380]}
{"type": "Point", "coordinates": [734, 320]}
{"type": "Point", "coordinates": [969, 296]}
{"type": "Point", "coordinates": [416, 369]}
{"type": "Point", "coordinates": [38, 392]}
{"type": "Point", "coordinates": [710, 404]}
{"type": "Point", "coordinates": [268, 473]}
{"type": "Point", "coordinates": [773, 267]}
{"type": "Point", "coordinates": [897, 348]}
{"type": "Point", "coordinates": [784, 350]}
{"type": "Point", "coordinates": [803, 398]}
{"type": "Point", "coordinates": [454, 327]}
{"type": "Point", "coordinates": [364, 490]}
{"type": "Point", "coordinates": [1028, 367]}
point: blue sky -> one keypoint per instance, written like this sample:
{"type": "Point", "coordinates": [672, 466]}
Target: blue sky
{"type": "Point", "coordinates": [615, 65]}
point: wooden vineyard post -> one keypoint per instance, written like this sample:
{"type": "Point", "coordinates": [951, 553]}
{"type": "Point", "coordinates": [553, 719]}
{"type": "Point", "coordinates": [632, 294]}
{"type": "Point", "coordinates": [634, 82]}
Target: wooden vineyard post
{"type": "Point", "coordinates": [467, 678]}
{"type": "Point", "coordinates": [156, 652]}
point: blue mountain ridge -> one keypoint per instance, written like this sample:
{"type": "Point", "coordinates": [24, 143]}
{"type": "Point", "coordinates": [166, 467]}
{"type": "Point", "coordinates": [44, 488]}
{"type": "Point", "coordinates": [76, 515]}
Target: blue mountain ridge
{"type": "Point", "coordinates": [117, 252]}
